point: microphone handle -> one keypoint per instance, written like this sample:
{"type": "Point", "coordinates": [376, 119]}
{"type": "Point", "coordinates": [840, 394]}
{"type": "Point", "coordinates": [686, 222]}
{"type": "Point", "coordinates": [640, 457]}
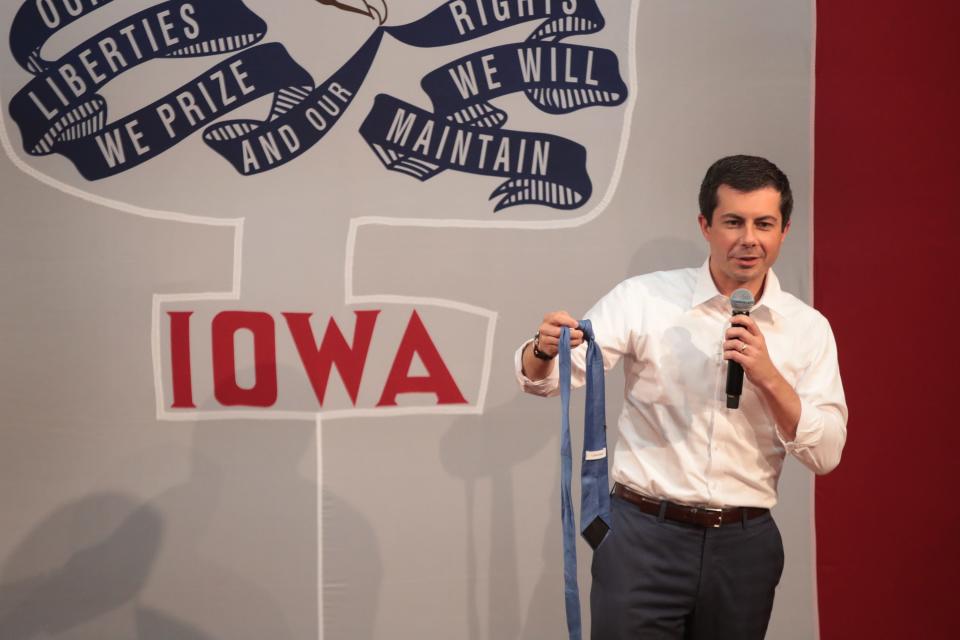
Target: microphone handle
{"type": "Point", "coordinates": [734, 384]}
{"type": "Point", "coordinates": [735, 377]}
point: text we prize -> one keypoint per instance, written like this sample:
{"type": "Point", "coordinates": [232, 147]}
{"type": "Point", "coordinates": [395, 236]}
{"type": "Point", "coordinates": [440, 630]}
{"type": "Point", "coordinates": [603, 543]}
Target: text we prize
{"type": "Point", "coordinates": [220, 352]}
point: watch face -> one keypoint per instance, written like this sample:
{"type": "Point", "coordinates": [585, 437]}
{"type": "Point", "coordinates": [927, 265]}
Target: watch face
{"type": "Point", "coordinates": [541, 354]}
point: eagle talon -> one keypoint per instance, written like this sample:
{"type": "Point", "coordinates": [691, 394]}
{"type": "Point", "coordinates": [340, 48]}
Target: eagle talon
{"type": "Point", "coordinates": [376, 9]}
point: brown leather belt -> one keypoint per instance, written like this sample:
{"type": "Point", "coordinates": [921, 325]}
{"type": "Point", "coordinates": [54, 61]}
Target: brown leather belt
{"type": "Point", "coordinates": [701, 516]}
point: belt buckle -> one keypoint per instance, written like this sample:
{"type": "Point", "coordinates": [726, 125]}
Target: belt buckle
{"type": "Point", "coordinates": [713, 510]}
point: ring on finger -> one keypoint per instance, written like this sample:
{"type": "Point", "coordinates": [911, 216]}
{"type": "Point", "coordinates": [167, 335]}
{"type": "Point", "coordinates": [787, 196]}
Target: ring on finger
{"type": "Point", "coordinates": [743, 347]}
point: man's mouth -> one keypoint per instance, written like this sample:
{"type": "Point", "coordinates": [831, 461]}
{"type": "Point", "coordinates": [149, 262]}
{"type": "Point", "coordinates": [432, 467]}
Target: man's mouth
{"type": "Point", "coordinates": [747, 261]}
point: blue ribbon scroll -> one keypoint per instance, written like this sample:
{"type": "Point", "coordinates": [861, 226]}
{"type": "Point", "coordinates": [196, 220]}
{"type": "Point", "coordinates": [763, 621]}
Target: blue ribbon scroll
{"type": "Point", "coordinates": [60, 110]}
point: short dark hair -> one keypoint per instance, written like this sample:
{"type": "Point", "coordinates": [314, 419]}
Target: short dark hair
{"type": "Point", "coordinates": [744, 173]}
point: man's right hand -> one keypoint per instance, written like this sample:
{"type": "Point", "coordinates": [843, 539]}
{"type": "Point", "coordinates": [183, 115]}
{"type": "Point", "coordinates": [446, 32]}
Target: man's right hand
{"type": "Point", "coordinates": [548, 343]}
{"type": "Point", "coordinates": [550, 332]}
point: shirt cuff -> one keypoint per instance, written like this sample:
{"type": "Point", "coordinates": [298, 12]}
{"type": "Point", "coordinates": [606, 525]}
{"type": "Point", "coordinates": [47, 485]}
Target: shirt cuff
{"type": "Point", "coordinates": [809, 430]}
{"type": "Point", "coordinates": [544, 387]}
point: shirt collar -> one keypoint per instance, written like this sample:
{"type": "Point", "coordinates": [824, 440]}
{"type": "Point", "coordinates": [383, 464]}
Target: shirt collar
{"type": "Point", "coordinates": [705, 290]}
{"type": "Point", "coordinates": [773, 297]}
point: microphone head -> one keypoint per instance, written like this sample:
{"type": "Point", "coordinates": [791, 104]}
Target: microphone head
{"type": "Point", "coordinates": [741, 300]}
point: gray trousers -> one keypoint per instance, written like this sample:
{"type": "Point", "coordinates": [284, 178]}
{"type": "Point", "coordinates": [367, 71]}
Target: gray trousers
{"type": "Point", "coordinates": [655, 579]}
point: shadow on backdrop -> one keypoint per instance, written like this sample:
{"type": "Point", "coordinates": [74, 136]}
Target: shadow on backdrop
{"type": "Point", "coordinates": [94, 555]}
{"type": "Point", "coordinates": [239, 547]}
{"type": "Point", "coordinates": [488, 447]}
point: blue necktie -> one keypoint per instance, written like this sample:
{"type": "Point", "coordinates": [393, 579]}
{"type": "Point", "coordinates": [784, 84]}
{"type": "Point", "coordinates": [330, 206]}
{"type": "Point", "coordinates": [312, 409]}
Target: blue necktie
{"type": "Point", "coordinates": [594, 486]}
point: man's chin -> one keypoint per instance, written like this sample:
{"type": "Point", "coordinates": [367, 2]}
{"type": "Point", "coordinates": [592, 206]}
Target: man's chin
{"type": "Point", "coordinates": [744, 275]}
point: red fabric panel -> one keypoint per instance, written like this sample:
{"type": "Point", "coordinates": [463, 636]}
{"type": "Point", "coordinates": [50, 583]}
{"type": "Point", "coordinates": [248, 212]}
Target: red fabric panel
{"type": "Point", "coordinates": [886, 241]}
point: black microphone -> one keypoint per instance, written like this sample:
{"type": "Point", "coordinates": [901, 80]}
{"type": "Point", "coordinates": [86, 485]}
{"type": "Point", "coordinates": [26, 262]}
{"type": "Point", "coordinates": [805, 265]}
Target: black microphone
{"type": "Point", "coordinates": [742, 301]}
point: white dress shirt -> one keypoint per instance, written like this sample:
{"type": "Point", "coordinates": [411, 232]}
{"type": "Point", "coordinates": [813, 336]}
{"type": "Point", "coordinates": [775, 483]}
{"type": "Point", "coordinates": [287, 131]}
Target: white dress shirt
{"type": "Point", "coordinates": [677, 440]}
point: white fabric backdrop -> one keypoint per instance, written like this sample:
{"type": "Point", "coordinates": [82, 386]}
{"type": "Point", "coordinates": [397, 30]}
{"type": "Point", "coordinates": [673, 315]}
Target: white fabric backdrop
{"type": "Point", "coordinates": [125, 516]}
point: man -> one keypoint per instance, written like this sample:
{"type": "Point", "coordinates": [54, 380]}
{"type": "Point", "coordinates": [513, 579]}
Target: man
{"type": "Point", "coordinates": [693, 551]}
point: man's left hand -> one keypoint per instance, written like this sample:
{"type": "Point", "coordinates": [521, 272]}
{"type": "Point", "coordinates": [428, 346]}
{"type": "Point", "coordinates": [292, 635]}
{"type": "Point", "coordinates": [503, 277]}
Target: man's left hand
{"type": "Point", "coordinates": [746, 345]}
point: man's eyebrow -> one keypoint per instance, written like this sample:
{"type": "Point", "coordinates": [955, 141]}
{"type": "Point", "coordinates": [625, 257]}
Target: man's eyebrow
{"type": "Point", "coordinates": [732, 215]}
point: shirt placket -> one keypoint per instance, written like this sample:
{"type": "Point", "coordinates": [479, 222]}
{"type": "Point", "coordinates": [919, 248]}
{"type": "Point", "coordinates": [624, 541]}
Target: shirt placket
{"type": "Point", "coordinates": [718, 423]}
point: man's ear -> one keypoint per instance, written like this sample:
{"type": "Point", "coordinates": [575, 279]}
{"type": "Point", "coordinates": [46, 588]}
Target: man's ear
{"type": "Point", "coordinates": [704, 225]}
{"type": "Point", "coordinates": [785, 230]}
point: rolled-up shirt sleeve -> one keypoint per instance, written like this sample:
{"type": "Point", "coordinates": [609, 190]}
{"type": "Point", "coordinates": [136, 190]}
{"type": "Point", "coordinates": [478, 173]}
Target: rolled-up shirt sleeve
{"type": "Point", "coordinates": [549, 386]}
{"type": "Point", "coordinates": [822, 428]}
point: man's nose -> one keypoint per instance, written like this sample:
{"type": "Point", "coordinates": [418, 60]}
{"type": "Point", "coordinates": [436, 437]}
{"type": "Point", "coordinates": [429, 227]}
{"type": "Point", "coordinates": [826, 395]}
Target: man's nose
{"type": "Point", "coordinates": [748, 237]}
